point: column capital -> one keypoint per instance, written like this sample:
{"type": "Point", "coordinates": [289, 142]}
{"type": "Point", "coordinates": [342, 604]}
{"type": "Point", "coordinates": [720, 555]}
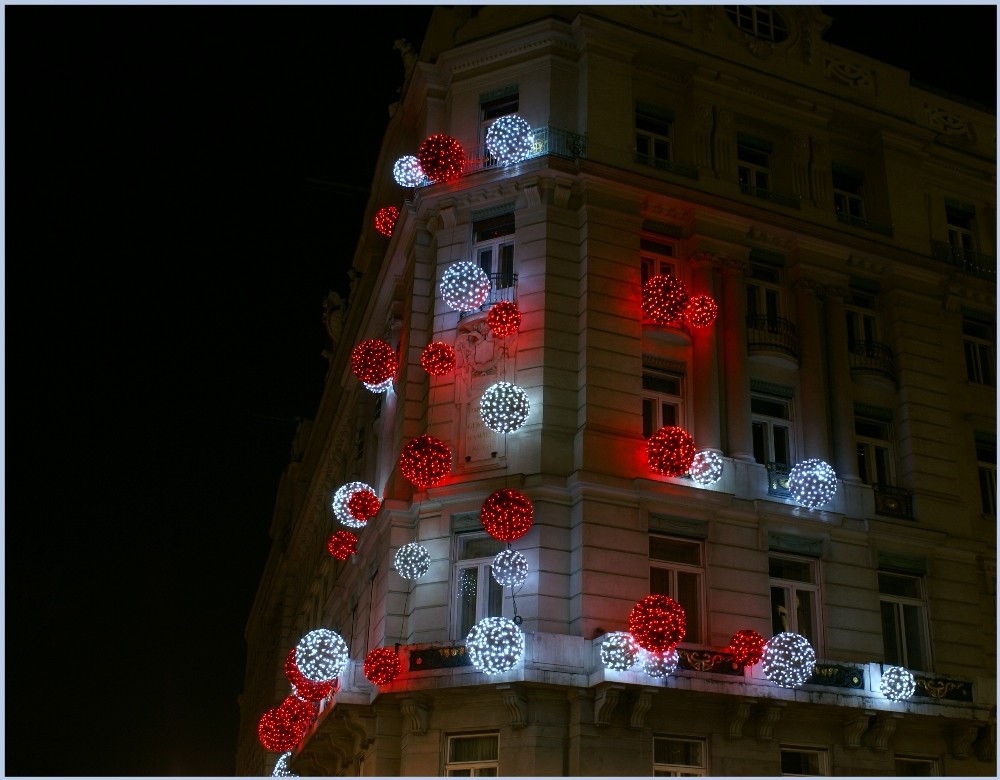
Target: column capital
{"type": "Point", "coordinates": [806, 286]}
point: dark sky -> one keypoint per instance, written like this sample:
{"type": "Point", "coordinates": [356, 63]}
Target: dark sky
{"type": "Point", "coordinates": [182, 191]}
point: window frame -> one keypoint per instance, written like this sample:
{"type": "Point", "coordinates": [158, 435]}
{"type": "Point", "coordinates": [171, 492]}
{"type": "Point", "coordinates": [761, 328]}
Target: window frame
{"type": "Point", "coordinates": [901, 654]}
{"type": "Point", "coordinates": [764, 292]}
{"type": "Point", "coordinates": [451, 766]}
{"type": "Point", "coordinates": [495, 236]}
{"type": "Point", "coordinates": [960, 223]}
{"type": "Point", "coordinates": [768, 424]}
{"type": "Point", "coordinates": [980, 352]}
{"type": "Point", "coordinates": [657, 401]}
{"type": "Point", "coordinates": [654, 139]}
{"type": "Point", "coordinates": [484, 583]}
{"type": "Point", "coordinates": [849, 195]}
{"type": "Point", "coordinates": [868, 447]}
{"type": "Point", "coordinates": [793, 588]}
{"type": "Point", "coordinates": [681, 770]}
{"type": "Point", "coordinates": [822, 753]}
{"type": "Point", "coordinates": [931, 761]}
{"type": "Point", "coordinates": [696, 628]}
{"type": "Point", "coordinates": [986, 457]}
{"type": "Point", "coordinates": [754, 168]}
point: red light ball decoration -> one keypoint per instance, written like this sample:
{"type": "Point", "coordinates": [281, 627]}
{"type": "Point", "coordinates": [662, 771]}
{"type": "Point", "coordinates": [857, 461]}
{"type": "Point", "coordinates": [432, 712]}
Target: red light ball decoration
{"type": "Point", "coordinates": [342, 545]}
{"type": "Point", "coordinates": [385, 220]}
{"type": "Point", "coordinates": [275, 733]}
{"type": "Point", "coordinates": [382, 665]}
{"type": "Point", "coordinates": [373, 362]}
{"type": "Point", "coordinates": [504, 318]}
{"type": "Point", "coordinates": [747, 647]}
{"type": "Point", "coordinates": [305, 689]}
{"type": "Point", "coordinates": [657, 623]}
{"type": "Point", "coordinates": [363, 504]}
{"type": "Point", "coordinates": [298, 713]}
{"type": "Point", "coordinates": [507, 515]}
{"type": "Point", "coordinates": [425, 461]}
{"type": "Point", "coordinates": [664, 298]}
{"type": "Point", "coordinates": [700, 311]}
{"type": "Point", "coordinates": [438, 358]}
{"type": "Point", "coordinates": [670, 451]}
{"type": "Point", "coordinates": [441, 157]}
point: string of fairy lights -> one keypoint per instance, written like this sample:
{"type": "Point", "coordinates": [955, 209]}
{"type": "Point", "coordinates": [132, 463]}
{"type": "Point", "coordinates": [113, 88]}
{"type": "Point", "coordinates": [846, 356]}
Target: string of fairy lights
{"type": "Point", "coordinates": [495, 645]}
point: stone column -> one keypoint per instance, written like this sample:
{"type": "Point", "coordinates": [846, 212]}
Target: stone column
{"type": "Point", "coordinates": [813, 420]}
{"type": "Point", "coordinates": [845, 461]}
{"type": "Point", "coordinates": [732, 314]}
{"type": "Point", "coordinates": [705, 361]}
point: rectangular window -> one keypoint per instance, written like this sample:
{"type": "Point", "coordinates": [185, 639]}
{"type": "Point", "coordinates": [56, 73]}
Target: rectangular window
{"type": "Point", "coordinates": [771, 425]}
{"type": "Point", "coordinates": [875, 461]}
{"type": "Point", "coordinates": [862, 321]}
{"type": "Point", "coordinates": [494, 250]}
{"type": "Point", "coordinates": [794, 596]}
{"type": "Point", "coordinates": [753, 165]}
{"type": "Point", "coordinates": [804, 762]}
{"type": "Point", "coordinates": [978, 341]}
{"type": "Point", "coordinates": [473, 755]}
{"type": "Point", "coordinates": [904, 627]}
{"type": "Point", "coordinates": [913, 766]}
{"type": "Point", "coordinates": [477, 594]}
{"type": "Point", "coordinates": [961, 221]}
{"type": "Point", "coordinates": [677, 569]}
{"type": "Point", "coordinates": [763, 290]}
{"type": "Point", "coordinates": [848, 195]}
{"type": "Point", "coordinates": [657, 259]}
{"type": "Point", "coordinates": [653, 133]}
{"type": "Point", "coordinates": [986, 454]}
{"type": "Point", "coordinates": [679, 757]}
{"type": "Point", "coordinates": [662, 400]}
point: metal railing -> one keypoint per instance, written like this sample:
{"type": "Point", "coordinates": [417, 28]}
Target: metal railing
{"type": "Point", "coordinates": [973, 263]}
{"type": "Point", "coordinates": [666, 165]}
{"type": "Point", "coordinates": [503, 287]}
{"type": "Point", "coordinates": [777, 479]}
{"type": "Point", "coordinates": [864, 224]}
{"type": "Point", "coordinates": [870, 357]}
{"type": "Point", "coordinates": [544, 140]}
{"type": "Point", "coordinates": [765, 194]}
{"type": "Point", "coordinates": [771, 334]}
{"type": "Point", "coordinates": [893, 501]}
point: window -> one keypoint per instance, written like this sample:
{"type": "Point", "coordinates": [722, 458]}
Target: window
{"type": "Point", "coordinates": [980, 351]}
{"type": "Point", "coordinates": [657, 258]}
{"type": "Point", "coordinates": [653, 131]}
{"type": "Point", "coordinates": [491, 107]}
{"type": "Point", "coordinates": [477, 594]}
{"type": "Point", "coordinates": [764, 293]}
{"type": "Point", "coordinates": [904, 630]}
{"type": "Point", "coordinates": [473, 755]}
{"type": "Point", "coordinates": [986, 454]}
{"type": "Point", "coordinates": [875, 461]}
{"type": "Point", "coordinates": [759, 21]}
{"type": "Point", "coordinates": [794, 596]}
{"type": "Point", "coordinates": [771, 421]}
{"type": "Point", "coordinates": [912, 766]}
{"type": "Point", "coordinates": [753, 166]}
{"type": "Point", "coordinates": [848, 195]}
{"type": "Point", "coordinates": [662, 400]}
{"type": "Point", "coordinates": [803, 762]}
{"type": "Point", "coordinates": [862, 321]}
{"type": "Point", "coordinates": [961, 227]}
{"type": "Point", "coordinates": [495, 251]}
{"type": "Point", "coordinates": [676, 569]}
{"type": "Point", "coordinates": [678, 757]}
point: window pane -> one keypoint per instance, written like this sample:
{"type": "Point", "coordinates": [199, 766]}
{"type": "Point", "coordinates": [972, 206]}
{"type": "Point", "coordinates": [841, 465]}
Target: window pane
{"type": "Point", "coordinates": [915, 767]}
{"type": "Point", "coordinates": [769, 407]}
{"type": "Point", "coordinates": [891, 633]}
{"type": "Point", "coordinates": [779, 610]}
{"type": "Point", "coordinates": [659, 581]}
{"type": "Point", "coordinates": [467, 582]}
{"type": "Point", "coordinates": [486, 260]}
{"type": "Point", "coordinates": [648, 417]}
{"type": "Point", "coordinates": [781, 449]}
{"type": "Point", "coordinates": [662, 383]}
{"type": "Point", "coordinates": [899, 585]}
{"type": "Point", "coordinates": [805, 610]}
{"type": "Point", "coordinates": [481, 747]}
{"type": "Point", "coordinates": [478, 546]}
{"type": "Point", "coordinates": [668, 414]}
{"type": "Point", "coordinates": [687, 596]}
{"type": "Point", "coordinates": [760, 453]}
{"type": "Point", "coordinates": [871, 429]}
{"type": "Point", "coordinates": [789, 569]}
{"type": "Point", "coordinates": [800, 762]}
{"type": "Point", "coordinates": [678, 751]}
{"type": "Point", "coordinates": [674, 550]}
{"type": "Point", "coordinates": [495, 607]}
{"type": "Point", "coordinates": [882, 474]}
{"type": "Point", "coordinates": [913, 625]}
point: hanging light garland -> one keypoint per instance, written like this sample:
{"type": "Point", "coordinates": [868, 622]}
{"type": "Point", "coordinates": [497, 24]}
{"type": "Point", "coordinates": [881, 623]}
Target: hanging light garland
{"type": "Point", "coordinates": [504, 318]}
{"type": "Point", "coordinates": [363, 504]}
{"type": "Point", "coordinates": [374, 362]}
{"type": "Point", "coordinates": [706, 467]}
{"type": "Point", "coordinates": [657, 623]}
{"type": "Point", "coordinates": [504, 407]}
{"type": "Point", "coordinates": [747, 647]}
{"type": "Point", "coordinates": [700, 311]}
{"type": "Point", "coordinates": [663, 299]}
{"type": "Point", "coordinates": [425, 461]}
{"type": "Point", "coordinates": [412, 561]}
{"type": "Point", "coordinates": [438, 358]}
{"type": "Point", "coordinates": [897, 683]}
{"type": "Point", "coordinates": [441, 158]}
{"type": "Point", "coordinates": [342, 545]}
{"type": "Point", "coordinates": [507, 514]}
{"type": "Point", "coordinates": [464, 286]}
{"type": "Point", "coordinates": [495, 645]}
{"type": "Point", "coordinates": [408, 173]}
{"type": "Point", "coordinates": [321, 655]}
{"type": "Point", "coordinates": [619, 651]}
{"type": "Point", "coordinates": [385, 220]}
{"type": "Point", "coordinates": [812, 482]}
{"type": "Point", "coordinates": [670, 451]}
{"type": "Point", "coordinates": [307, 690]}
{"type": "Point", "coordinates": [341, 504]}
{"type": "Point", "coordinates": [510, 568]}
{"type": "Point", "coordinates": [659, 664]}
{"type": "Point", "coordinates": [281, 766]}
{"type": "Point", "coordinates": [382, 665]}
{"type": "Point", "coordinates": [509, 139]}
{"type": "Point", "coordinates": [788, 659]}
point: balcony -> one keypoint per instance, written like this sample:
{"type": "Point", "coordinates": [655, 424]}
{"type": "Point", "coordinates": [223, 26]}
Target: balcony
{"type": "Point", "coordinates": [870, 357]}
{"type": "Point", "coordinates": [777, 479]}
{"type": "Point", "coordinates": [864, 224]}
{"type": "Point", "coordinates": [666, 165]}
{"type": "Point", "coordinates": [544, 140]}
{"type": "Point", "coordinates": [772, 334]}
{"type": "Point", "coordinates": [503, 287]}
{"type": "Point", "coordinates": [965, 260]}
{"type": "Point", "coordinates": [766, 194]}
{"type": "Point", "coordinates": [893, 502]}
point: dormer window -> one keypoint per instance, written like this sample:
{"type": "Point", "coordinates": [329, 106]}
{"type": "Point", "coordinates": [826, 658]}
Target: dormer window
{"type": "Point", "coordinates": [760, 21]}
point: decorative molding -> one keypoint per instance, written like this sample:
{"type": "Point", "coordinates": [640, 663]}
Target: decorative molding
{"type": "Point", "coordinates": [962, 737]}
{"type": "Point", "coordinates": [947, 123]}
{"type": "Point", "coordinates": [882, 730]}
{"type": "Point", "coordinates": [849, 74]}
{"type": "Point", "coordinates": [943, 688]}
{"type": "Point", "coordinates": [766, 720]}
{"type": "Point", "coordinates": [640, 707]}
{"type": "Point", "coordinates": [738, 715]}
{"type": "Point", "coordinates": [516, 705]}
{"type": "Point", "coordinates": [855, 725]}
{"type": "Point", "coordinates": [415, 713]}
{"type": "Point", "coordinates": [605, 702]}
{"type": "Point", "coordinates": [663, 364]}
{"type": "Point", "coordinates": [986, 745]}
{"type": "Point", "coordinates": [837, 676]}
{"type": "Point", "coordinates": [714, 661]}
{"type": "Point", "coordinates": [667, 14]}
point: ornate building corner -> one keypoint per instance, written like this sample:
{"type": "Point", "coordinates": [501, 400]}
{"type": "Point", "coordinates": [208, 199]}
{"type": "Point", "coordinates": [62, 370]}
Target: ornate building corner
{"type": "Point", "coordinates": [416, 715]}
{"type": "Point", "coordinates": [604, 704]}
{"type": "Point", "coordinates": [855, 725]}
{"type": "Point", "coordinates": [738, 715]}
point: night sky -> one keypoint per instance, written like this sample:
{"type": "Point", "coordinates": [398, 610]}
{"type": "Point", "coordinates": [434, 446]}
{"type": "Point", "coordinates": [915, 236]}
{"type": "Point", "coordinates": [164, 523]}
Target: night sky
{"type": "Point", "coordinates": [184, 185]}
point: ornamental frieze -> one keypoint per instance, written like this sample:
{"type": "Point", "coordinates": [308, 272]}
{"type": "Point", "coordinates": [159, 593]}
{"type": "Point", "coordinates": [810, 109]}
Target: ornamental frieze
{"type": "Point", "coordinates": [849, 74]}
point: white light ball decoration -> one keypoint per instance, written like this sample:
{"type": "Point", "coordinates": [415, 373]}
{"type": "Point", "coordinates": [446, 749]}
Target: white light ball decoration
{"type": "Point", "coordinates": [510, 568]}
{"type": "Point", "coordinates": [619, 651]}
{"type": "Point", "coordinates": [509, 139]}
{"type": "Point", "coordinates": [339, 504]}
{"type": "Point", "coordinates": [897, 683]}
{"type": "Point", "coordinates": [408, 173]}
{"type": "Point", "coordinates": [706, 467]}
{"type": "Point", "coordinates": [321, 655]}
{"type": "Point", "coordinates": [495, 645]}
{"type": "Point", "coordinates": [281, 766]}
{"type": "Point", "coordinates": [812, 482]}
{"type": "Point", "coordinates": [379, 387]}
{"type": "Point", "coordinates": [659, 663]}
{"type": "Point", "coordinates": [412, 561]}
{"type": "Point", "coordinates": [504, 407]}
{"type": "Point", "coordinates": [788, 659]}
{"type": "Point", "coordinates": [464, 286]}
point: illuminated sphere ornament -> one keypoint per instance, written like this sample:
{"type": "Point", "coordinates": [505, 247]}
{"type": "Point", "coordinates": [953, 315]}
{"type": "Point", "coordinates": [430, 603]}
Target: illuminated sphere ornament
{"type": "Point", "coordinates": [700, 311]}
{"type": "Point", "coordinates": [281, 766]}
{"type": "Point", "coordinates": [298, 713]}
{"type": "Point", "coordinates": [510, 568]}
{"type": "Point", "coordinates": [495, 645]}
{"type": "Point", "coordinates": [382, 665]}
{"type": "Point", "coordinates": [378, 387]}
{"type": "Point", "coordinates": [504, 318]}
{"type": "Point", "coordinates": [321, 655]}
{"type": "Point", "coordinates": [659, 664]}
{"type": "Point", "coordinates": [412, 561]}
{"type": "Point", "coordinates": [509, 139]}
{"type": "Point", "coordinates": [342, 545]}
{"type": "Point", "coordinates": [507, 514]}
{"type": "Point", "coordinates": [408, 173]}
{"type": "Point", "coordinates": [664, 298]}
{"type": "Point", "coordinates": [706, 467]}
{"type": "Point", "coordinates": [670, 451]}
{"type": "Point", "coordinates": [812, 482]}
{"type": "Point", "coordinates": [747, 647]}
{"type": "Point", "coordinates": [464, 286]}
{"type": "Point", "coordinates": [788, 659]}
{"type": "Point", "coordinates": [504, 407]}
{"type": "Point", "coordinates": [385, 220]}
{"type": "Point", "coordinates": [374, 362]}
{"type": "Point", "coordinates": [342, 500]}
{"type": "Point", "coordinates": [441, 158]}
{"type": "Point", "coordinates": [276, 733]}
{"type": "Point", "coordinates": [307, 690]}
{"type": "Point", "coordinates": [897, 683]}
{"type": "Point", "coordinates": [363, 504]}
{"type": "Point", "coordinates": [657, 623]}
{"type": "Point", "coordinates": [619, 651]}
{"type": "Point", "coordinates": [438, 358]}
{"type": "Point", "coordinates": [425, 461]}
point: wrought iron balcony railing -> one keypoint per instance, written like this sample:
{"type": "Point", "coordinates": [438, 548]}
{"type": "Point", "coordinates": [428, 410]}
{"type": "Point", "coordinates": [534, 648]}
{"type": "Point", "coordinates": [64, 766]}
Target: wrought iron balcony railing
{"type": "Point", "coordinates": [893, 501]}
{"type": "Point", "coordinates": [666, 165]}
{"type": "Point", "coordinates": [777, 479]}
{"type": "Point", "coordinates": [870, 357]}
{"type": "Point", "coordinates": [774, 197]}
{"type": "Point", "coordinates": [503, 287]}
{"type": "Point", "coordinates": [770, 334]}
{"type": "Point", "coordinates": [544, 140]}
{"type": "Point", "coordinates": [864, 224]}
{"type": "Point", "coordinates": [966, 260]}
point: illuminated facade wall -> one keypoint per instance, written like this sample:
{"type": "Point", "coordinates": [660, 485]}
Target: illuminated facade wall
{"type": "Point", "coordinates": [845, 225]}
